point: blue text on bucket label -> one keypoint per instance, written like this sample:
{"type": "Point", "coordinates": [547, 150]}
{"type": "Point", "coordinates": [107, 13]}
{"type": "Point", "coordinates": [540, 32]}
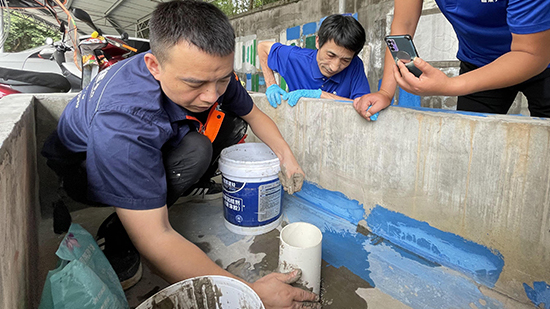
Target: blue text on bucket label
{"type": "Point", "coordinates": [251, 204]}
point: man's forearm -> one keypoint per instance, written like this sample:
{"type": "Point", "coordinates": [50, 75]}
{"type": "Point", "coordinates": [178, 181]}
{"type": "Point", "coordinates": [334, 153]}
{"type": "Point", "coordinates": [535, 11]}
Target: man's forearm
{"type": "Point", "coordinates": [327, 95]}
{"type": "Point", "coordinates": [263, 53]}
{"type": "Point", "coordinates": [178, 259]}
{"type": "Point", "coordinates": [510, 69]}
{"type": "Point", "coordinates": [171, 254]}
{"type": "Point", "coordinates": [269, 76]}
{"type": "Point", "coordinates": [406, 16]}
{"type": "Point", "coordinates": [388, 84]}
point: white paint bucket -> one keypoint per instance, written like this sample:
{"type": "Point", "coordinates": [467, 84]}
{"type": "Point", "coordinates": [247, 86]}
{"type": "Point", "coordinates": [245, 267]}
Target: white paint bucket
{"type": "Point", "coordinates": [252, 192]}
{"type": "Point", "coordinates": [214, 292]}
{"type": "Point", "coordinates": [300, 247]}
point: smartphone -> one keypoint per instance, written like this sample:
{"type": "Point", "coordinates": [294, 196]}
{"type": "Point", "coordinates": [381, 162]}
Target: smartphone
{"type": "Point", "coordinates": [402, 48]}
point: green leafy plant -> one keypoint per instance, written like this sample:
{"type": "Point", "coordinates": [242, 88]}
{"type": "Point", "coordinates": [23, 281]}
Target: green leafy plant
{"type": "Point", "coordinates": [26, 33]}
{"type": "Point", "coordinates": [234, 7]}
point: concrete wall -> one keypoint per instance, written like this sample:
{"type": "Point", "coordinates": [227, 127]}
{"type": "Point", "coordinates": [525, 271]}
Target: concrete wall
{"type": "Point", "coordinates": [435, 40]}
{"type": "Point", "coordinates": [483, 177]}
{"type": "Point", "coordinates": [48, 109]}
{"type": "Point", "coordinates": [25, 122]}
{"type": "Point", "coordinates": [18, 204]}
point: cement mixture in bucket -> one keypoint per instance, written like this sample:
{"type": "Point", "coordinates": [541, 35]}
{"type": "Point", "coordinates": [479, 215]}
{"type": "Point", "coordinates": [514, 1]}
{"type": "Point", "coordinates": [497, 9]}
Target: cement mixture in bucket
{"type": "Point", "coordinates": [207, 292]}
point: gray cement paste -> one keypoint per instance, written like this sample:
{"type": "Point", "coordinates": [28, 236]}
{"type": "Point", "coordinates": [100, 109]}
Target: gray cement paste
{"type": "Point", "coordinates": [203, 293]}
{"type": "Point", "coordinates": [267, 243]}
{"type": "Point", "coordinates": [344, 296]}
{"type": "Point", "coordinates": [163, 304]}
{"type": "Point", "coordinates": [207, 295]}
{"type": "Point", "coordinates": [200, 294]}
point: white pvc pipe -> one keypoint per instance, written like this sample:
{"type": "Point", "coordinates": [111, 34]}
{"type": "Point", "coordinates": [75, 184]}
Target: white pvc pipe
{"type": "Point", "coordinates": [300, 247]}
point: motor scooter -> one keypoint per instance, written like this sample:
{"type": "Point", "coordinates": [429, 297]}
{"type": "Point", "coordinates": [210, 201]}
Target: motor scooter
{"type": "Point", "coordinates": [97, 52]}
{"type": "Point", "coordinates": [100, 51]}
{"type": "Point", "coordinates": [25, 81]}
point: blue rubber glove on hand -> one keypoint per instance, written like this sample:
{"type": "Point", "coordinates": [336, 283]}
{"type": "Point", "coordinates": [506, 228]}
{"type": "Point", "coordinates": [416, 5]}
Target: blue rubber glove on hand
{"type": "Point", "coordinates": [293, 96]}
{"type": "Point", "coordinates": [273, 94]}
{"type": "Point", "coordinates": [373, 117]}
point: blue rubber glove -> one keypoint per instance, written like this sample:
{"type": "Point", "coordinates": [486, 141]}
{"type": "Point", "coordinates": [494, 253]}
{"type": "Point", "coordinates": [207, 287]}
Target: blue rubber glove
{"type": "Point", "coordinates": [293, 96]}
{"type": "Point", "coordinates": [373, 117]}
{"type": "Point", "coordinates": [273, 94]}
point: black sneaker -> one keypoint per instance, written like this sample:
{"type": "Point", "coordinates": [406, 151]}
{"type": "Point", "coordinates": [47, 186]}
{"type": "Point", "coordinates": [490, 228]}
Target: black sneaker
{"type": "Point", "coordinates": [113, 240]}
{"type": "Point", "coordinates": [202, 191]}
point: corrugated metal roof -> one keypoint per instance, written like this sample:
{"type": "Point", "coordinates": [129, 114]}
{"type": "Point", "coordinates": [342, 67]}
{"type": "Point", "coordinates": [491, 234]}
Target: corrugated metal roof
{"type": "Point", "coordinates": [130, 16]}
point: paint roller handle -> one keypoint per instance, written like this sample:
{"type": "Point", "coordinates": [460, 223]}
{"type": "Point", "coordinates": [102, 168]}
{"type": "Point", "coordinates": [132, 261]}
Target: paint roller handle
{"type": "Point", "coordinates": [120, 45]}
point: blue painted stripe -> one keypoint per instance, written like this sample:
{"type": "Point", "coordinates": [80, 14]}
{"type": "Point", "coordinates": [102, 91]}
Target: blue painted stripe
{"type": "Point", "coordinates": [309, 28]}
{"type": "Point", "coordinates": [332, 202]}
{"type": "Point", "coordinates": [474, 260]}
{"type": "Point", "coordinates": [293, 33]}
{"type": "Point", "coordinates": [539, 294]}
{"type": "Point", "coordinates": [448, 111]}
{"type": "Point", "coordinates": [340, 241]}
{"type": "Point", "coordinates": [345, 248]}
{"type": "Point", "coordinates": [399, 273]}
{"type": "Point", "coordinates": [248, 81]}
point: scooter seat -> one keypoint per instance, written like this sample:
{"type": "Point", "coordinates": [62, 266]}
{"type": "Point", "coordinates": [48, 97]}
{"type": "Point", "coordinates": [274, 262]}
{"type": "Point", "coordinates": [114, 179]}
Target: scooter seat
{"type": "Point", "coordinates": [51, 80]}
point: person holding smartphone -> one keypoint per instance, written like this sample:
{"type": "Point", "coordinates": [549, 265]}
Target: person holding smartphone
{"type": "Point", "coordinates": [503, 49]}
{"type": "Point", "coordinates": [333, 71]}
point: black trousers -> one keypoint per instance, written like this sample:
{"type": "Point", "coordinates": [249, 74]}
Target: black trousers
{"type": "Point", "coordinates": [498, 101]}
{"type": "Point", "coordinates": [194, 159]}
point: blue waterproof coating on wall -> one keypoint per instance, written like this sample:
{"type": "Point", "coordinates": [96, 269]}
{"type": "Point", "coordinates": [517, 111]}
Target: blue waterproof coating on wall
{"type": "Point", "coordinates": [251, 204]}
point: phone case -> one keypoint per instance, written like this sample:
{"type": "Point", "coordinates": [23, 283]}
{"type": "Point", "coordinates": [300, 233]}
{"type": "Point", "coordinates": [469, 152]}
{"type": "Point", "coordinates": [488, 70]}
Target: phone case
{"type": "Point", "coordinates": [402, 48]}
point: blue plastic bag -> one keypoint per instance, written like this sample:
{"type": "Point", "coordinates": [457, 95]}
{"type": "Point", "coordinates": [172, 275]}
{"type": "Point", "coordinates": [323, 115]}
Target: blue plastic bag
{"type": "Point", "coordinates": [84, 278]}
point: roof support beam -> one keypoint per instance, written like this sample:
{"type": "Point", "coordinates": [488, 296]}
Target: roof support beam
{"type": "Point", "coordinates": [115, 25]}
{"type": "Point", "coordinates": [113, 7]}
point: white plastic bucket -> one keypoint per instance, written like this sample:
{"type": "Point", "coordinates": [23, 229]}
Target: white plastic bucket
{"type": "Point", "coordinates": [252, 192]}
{"type": "Point", "coordinates": [213, 292]}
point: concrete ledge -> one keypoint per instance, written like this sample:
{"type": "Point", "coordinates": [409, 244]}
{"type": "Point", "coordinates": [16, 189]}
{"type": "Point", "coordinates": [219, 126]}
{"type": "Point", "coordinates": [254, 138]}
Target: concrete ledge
{"type": "Point", "coordinates": [18, 204]}
{"type": "Point", "coordinates": [483, 177]}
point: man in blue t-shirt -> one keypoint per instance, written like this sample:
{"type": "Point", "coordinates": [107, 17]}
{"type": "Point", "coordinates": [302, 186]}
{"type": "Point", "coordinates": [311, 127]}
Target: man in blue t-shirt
{"type": "Point", "coordinates": [333, 71]}
{"type": "Point", "coordinates": [147, 129]}
{"type": "Point", "coordinates": [503, 49]}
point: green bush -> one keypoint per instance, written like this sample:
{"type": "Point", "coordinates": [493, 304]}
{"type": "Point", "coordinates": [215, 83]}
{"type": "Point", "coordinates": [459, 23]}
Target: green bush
{"type": "Point", "coordinates": [25, 33]}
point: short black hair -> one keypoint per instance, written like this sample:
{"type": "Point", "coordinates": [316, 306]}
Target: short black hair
{"type": "Point", "coordinates": [199, 23]}
{"type": "Point", "coordinates": [345, 31]}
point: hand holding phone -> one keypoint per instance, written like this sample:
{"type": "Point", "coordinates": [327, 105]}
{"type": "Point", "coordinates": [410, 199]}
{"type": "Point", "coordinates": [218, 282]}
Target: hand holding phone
{"type": "Point", "coordinates": [402, 48]}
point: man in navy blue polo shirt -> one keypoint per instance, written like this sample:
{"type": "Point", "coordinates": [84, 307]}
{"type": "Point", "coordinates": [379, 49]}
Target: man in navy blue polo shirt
{"type": "Point", "coordinates": [503, 49]}
{"type": "Point", "coordinates": [139, 136]}
{"type": "Point", "coordinates": [333, 71]}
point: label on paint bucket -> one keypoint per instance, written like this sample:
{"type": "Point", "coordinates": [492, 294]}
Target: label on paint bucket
{"type": "Point", "coordinates": [251, 204]}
